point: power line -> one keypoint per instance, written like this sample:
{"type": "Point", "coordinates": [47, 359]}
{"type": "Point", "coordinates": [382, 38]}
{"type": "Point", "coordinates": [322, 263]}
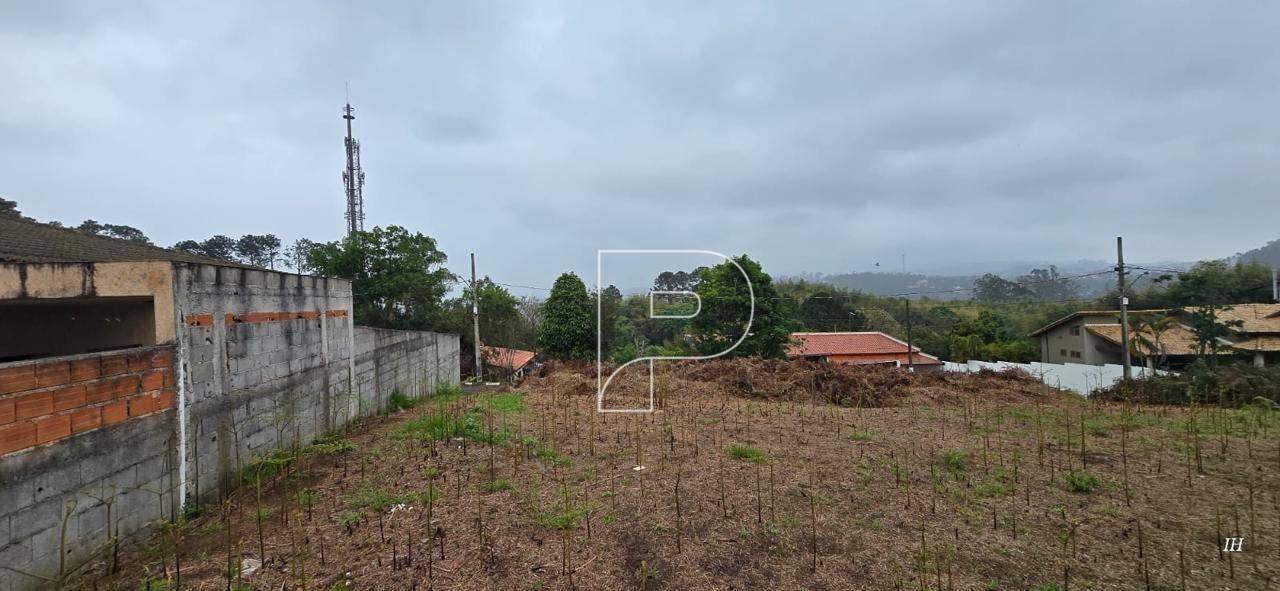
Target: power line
{"type": "Point", "coordinates": [521, 286]}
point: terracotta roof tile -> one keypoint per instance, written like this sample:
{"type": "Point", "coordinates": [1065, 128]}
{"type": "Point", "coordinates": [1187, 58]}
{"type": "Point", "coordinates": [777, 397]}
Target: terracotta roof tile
{"type": "Point", "coordinates": [512, 359]}
{"type": "Point", "coordinates": [809, 344]}
{"type": "Point", "coordinates": [1267, 343]}
{"type": "Point", "coordinates": [1176, 340]}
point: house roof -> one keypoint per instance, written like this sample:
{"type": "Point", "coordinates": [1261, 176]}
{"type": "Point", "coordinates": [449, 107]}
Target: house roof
{"type": "Point", "coordinates": [917, 358]}
{"type": "Point", "coordinates": [814, 344]}
{"type": "Point", "coordinates": [1266, 343]}
{"type": "Point", "coordinates": [1176, 340]}
{"type": "Point", "coordinates": [1085, 314]}
{"type": "Point", "coordinates": [23, 241]}
{"type": "Point", "coordinates": [1254, 318]}
{"type": "Point", "coordinates": [512, 359]}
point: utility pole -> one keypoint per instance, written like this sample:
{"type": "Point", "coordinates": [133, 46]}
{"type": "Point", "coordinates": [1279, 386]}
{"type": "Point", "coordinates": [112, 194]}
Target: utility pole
{"type": "Point", "coordinates": [911, 365]}
{"type": "Point", "coordinates": [1275, 286]}
{"type": "Point", "coordinates": [475, 316]}
{"type": "Point", "coordinates": [1124, 310]}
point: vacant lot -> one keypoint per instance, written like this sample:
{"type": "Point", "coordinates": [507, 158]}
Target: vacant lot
{"type": "Point", "coordinates": [748, 477]}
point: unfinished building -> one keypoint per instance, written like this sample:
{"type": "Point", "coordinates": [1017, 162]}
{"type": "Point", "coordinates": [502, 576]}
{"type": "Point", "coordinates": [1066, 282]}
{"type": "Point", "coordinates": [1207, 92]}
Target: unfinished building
{"type": "Point", "coordinates": [137, 380]}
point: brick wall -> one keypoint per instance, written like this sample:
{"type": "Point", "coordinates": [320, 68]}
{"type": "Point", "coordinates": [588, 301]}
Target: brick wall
{"type": "Point", "coordinates": [48, 400]}
{"type": "Point", "coordinates": [76, 432]}
{"type": "Point", "coordinates": [269, 360]}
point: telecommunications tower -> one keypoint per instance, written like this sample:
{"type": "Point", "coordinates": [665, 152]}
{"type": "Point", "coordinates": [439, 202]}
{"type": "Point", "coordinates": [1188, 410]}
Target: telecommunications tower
{"type": "Point", "coordinates": [353, 178]}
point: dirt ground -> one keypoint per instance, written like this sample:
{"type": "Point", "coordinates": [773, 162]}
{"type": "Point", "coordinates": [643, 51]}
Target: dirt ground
{"type": "Point", "coordinates": [750, 475]}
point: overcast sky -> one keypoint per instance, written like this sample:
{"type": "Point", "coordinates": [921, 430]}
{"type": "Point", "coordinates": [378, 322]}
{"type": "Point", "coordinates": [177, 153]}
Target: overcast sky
{"type": "Point", "coordinates": [816, 136]}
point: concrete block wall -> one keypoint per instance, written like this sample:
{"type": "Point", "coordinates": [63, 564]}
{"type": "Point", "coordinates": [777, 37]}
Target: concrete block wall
{"type": "Point", "coordinates": [261, 361]}
{"type": "Point", "coordinates": [268, 363]}
{"type": "Point", "coordinates": [413, 363]}
{"type": "Point", "coordinates": [88, 436]}
{"type": "Point", "coordinates": [274, 360]}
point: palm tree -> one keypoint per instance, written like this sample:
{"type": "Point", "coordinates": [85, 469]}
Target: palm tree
{"type": "Point", "coordinates": [1146, 331]}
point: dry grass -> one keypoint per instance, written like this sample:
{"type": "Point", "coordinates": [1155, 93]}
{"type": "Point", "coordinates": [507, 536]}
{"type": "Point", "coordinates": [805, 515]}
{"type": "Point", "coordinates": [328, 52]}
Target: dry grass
{"type": "Point", "coordinates": [978, 482]}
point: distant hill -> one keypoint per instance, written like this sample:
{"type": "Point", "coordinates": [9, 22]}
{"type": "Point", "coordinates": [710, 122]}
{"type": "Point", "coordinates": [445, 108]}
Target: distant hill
{"type": "Point", "coordinates": [899, 283]}
{"type": "Point", "coordinates": [1268, 255]}
{"type": "Point", "coordinates": [956, 287]}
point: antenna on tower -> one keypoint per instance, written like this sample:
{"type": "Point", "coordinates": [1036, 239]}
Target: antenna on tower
{"type": "Point", "coordinates": [353, 177]}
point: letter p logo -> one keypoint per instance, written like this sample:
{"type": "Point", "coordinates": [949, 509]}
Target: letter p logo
{"type": "Point", "coordinates": [602, 381]}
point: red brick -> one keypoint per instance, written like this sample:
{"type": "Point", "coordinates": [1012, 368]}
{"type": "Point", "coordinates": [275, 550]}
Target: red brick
{"type": "Point", "coordinates": [309, 314]}
{"type": "Point", "coordinates": [114, 365]}
{"type": "Point", "coordinates": [85, 419]}
{"type": "Point", "coordinates": [17, 436]}
{"type": "Point", "coordinates": [55, 373]}
{"type": "Point", "coordinates": [162, 359]}
{"type": "Point", "coordinates": [33, 405]}
{"type": "Point", "coordinates": [99, 391]}
{"type": "Point", "coordinates": [7, 413]}
{"type": "Point", "coordinates": [168, 398]}
{"type": "Point", "coordinates": [199, 319]}
{"type": "Point", "coordinates": [152, 380]}
{"type": "Point", "coordinates": [139, 361]}
{"type": "Point", "coordinates": [85, 369]}
{"type": "Point", "coordinates": [68, 397]}
{"type": "Point", "coordinates": [126, 386]}
{"type": "Point", "coordinates": [143, 404]}
{"type": "Point", "coordinates": [53, 428]}
{"type": "Point", "coordinates": [168, 379]}
{"type": "Point", "coordinates": [17, 379]}
{"type": "Point", "coordinates": [115, 412]}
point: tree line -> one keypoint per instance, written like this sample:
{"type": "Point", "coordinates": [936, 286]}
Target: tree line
{"type": "Point", "coordinates": [400, 281]}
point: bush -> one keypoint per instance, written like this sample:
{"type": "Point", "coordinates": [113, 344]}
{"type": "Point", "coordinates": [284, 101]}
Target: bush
{"type": "Point", "coordinates": [748, 453]}
{"type": "Point", "coordinates": [1082, 482]}
{"type": "Point", "coordinates": [953, 461]}
{"type": "Point", "coordinates": [1229, 385]}
{"type": "Point", "coordinates": [400, 402]}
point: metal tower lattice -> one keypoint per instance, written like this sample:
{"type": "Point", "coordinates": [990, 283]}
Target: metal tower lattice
{"type": "Point", "coordinates": [353, 178]}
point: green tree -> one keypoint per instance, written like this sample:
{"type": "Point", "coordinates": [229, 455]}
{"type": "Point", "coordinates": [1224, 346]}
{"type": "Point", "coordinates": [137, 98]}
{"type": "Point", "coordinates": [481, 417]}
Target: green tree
{"type": "Point", "coordinates": [568, 321]}
{"type": "Point", "coordinates": [877, 319]}
{"type": "Point", "coordinates": [829, 311]}
{"type": "Point", "coordinates": [1147, 331]}
{"type": "Point", "coordinates": [994, 288]}
{"type": "Point", "coordinates": [296, 254]}
{"type": "Point", "coordinates": [259, 250]}
{"type": "Point", "coordinates": [675, 281]}
{"type": "Point", "coordinates": [501, 324]}
{"type": "Point", "coordinates": [218, 247]}
{"type": "Point", "coordinates": [610, 319]}
{"type": "Point", "coordinates": [128, 233]}
{"type": "Point", "coordinates": [9, 209]}
{"type": "Point", "coordinates": [398, 278]}
{"type": "Point", "coordinates": [1046, 285]}
{"type": "Point", "coordinates": [1217, 283]}
{"type": "Point", "coordinates": [727, 305]}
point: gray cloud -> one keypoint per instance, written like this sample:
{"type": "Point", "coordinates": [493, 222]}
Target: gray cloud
{"type": "Point", "coordinates": [822, 136]}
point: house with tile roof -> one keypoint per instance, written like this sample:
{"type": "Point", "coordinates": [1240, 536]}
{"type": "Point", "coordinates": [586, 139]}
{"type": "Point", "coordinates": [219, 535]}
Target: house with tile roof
{"type": "Point", "coordinates": [1093, 337]}
{"type": "Point", "coordinates": [860, 348]}
{"type": "Point", "coordinates": [512, 363]}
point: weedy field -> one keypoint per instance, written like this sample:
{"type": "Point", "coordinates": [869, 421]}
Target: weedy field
{"type": "Point", "coordinates": [750, 475]}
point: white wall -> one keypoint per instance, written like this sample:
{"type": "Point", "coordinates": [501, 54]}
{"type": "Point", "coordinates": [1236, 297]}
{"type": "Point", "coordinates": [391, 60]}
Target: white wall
{"type": "Point", "coordinates": [1079, 378]}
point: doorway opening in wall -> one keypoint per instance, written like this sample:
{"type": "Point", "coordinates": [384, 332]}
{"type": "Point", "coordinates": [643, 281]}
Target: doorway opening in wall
{"type": "Point", "coordinates": [35, 328]}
